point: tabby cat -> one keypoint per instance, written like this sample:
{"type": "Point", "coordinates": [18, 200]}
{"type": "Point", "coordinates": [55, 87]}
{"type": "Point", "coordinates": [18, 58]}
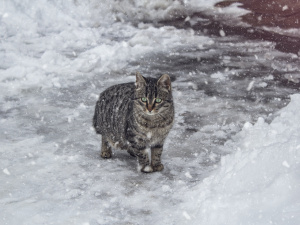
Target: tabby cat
{"type": "Point", "coordinates": [136, 117]}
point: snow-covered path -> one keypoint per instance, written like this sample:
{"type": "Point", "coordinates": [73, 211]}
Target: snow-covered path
{"type": "Point", "coordinates": [56, 57]}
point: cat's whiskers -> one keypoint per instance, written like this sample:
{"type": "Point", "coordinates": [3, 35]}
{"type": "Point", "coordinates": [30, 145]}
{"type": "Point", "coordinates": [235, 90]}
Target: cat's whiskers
{"type": "Point", "coordinates": [161, 116]}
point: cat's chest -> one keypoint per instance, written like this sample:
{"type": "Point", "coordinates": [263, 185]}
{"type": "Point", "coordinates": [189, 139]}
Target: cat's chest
{"type": "Point", "coordinates": [153, 136]}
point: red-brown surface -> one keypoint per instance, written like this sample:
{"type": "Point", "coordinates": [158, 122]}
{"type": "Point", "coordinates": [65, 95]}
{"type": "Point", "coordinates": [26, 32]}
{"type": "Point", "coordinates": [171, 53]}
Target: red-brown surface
{"type": "Point", "coordinates": [272, 13]}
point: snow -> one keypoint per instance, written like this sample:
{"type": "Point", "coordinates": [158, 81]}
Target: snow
{"type": "Point", "coordinates": [258, 183]}
{"type": "Point", "coordinates": [218, 76]}
{"type": "Point", "coordinates": [188, 175]}
{"type": "Point", "coordinates": [285, 8]}
{"type": "Point", "coordinates": [5, 170]}
{"type": "Point", "coordinates": [186, 215]}
{"type": "Point", "coordinates": [231, 157]}
{"type": "Point", "coordinates": [293, 77]}
{"type": "Point", "coordinates": [250, 86]}
{"type": "Point", "coordinates": [222, 33]}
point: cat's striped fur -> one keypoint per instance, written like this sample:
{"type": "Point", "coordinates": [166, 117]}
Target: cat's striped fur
{"type": "Point", "coordinates": [125, 120]}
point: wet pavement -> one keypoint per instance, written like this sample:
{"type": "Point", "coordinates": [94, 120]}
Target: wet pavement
{"type": "Point", "coordinates": [271, 13]}
{"type": "Point", "coordinates": [209, 25]}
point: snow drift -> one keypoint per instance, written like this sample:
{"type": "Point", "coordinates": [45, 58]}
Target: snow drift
{"type": "Point", "coordinates": [259, 182]}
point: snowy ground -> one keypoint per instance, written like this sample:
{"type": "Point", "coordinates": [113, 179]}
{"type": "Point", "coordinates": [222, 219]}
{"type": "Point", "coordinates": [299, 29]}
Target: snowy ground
{"type": "Point", "coordinates": [231, 158]}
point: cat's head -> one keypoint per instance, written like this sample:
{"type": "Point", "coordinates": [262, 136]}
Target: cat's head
{"type": "Point", "coordinates": [153, 96]}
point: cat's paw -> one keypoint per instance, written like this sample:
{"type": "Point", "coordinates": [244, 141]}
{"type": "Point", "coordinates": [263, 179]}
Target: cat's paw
{"type": "Point", "coordinates": [105, 155]}
{"type": "Point", "coordinates": [159, 167]}
{"type": "Point", "coordinates": [147, 169]}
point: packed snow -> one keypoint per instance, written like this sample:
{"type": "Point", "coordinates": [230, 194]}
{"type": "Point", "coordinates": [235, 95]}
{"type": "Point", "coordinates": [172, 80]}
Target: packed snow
{"type": "Point", "coordinates": [232, 156]}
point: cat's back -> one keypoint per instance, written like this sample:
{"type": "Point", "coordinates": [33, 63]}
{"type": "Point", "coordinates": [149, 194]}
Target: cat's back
{"type": "Point", "coordinates": [117, 92]}
{"type": "Point", "coordinates": [113, 107]}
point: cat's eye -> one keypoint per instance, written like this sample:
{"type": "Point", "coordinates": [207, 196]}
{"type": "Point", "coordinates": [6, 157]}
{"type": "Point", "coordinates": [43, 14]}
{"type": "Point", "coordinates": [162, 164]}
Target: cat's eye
{"type": "Point", "coordinates": [158, 100]}
{"type": "Point", "coordinates": [144, 99]}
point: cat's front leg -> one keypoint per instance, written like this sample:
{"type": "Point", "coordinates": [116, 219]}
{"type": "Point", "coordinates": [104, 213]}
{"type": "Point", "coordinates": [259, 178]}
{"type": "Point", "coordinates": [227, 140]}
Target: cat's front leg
{"type": "Point", "coordinates": [143, 160]}
{"type": "Point", "coordinates": [156, 152]}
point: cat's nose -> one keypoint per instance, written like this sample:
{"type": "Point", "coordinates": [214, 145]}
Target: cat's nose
{"type": "Point", "coordinates": [150, 108]}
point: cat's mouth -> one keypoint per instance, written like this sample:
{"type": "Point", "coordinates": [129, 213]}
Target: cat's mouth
{"type": "Point", "coordinates": [152, 113]}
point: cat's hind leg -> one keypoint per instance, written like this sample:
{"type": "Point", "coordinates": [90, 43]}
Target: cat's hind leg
{"type": "Point", "coordinates": [106, 152]}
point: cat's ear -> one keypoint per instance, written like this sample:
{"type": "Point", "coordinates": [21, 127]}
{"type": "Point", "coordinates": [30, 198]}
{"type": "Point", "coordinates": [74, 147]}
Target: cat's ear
{"type": "Point", "coordinates": [140, 81]}
{"type": "Point", "coordinates": [165, 82]}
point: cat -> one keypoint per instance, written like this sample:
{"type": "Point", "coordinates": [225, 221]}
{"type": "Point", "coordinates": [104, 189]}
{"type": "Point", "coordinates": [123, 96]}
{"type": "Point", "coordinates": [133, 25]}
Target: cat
{"type": "Point", "coordinates": [136, 117]}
